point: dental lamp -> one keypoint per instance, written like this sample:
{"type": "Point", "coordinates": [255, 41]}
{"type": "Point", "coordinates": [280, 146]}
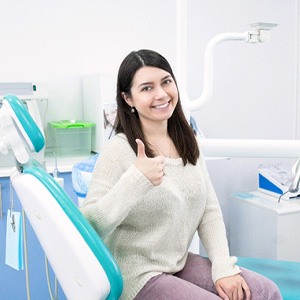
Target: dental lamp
{"type": "Point", "coordinates": [259, 32]}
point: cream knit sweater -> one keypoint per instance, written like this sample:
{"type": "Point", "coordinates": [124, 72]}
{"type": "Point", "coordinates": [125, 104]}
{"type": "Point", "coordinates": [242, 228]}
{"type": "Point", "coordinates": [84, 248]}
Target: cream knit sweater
{"type": "Point", "coordinates": [149, 229]}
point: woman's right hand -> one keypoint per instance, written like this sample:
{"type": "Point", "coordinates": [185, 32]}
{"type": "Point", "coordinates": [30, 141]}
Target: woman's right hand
{"type": "Point", "coordinates": [152, 168]}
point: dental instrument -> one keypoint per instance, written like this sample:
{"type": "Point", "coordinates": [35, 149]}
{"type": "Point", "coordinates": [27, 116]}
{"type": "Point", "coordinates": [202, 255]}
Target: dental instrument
{"type": "Point", "coordinates": [81, 262]}
{"type": "Point", "coordinates": [294, 187]}
{"type": "Point", "coordinates": [276, 181]}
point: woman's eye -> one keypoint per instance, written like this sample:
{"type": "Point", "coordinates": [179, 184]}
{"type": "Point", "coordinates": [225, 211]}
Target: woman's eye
{"type": "Point", "coordinates": [167, 81]}
{"type": "Point", "coordinates": [146, 88]}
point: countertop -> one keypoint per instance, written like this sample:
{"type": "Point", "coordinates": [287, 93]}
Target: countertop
{"type": "Point", "coordinates": [64, 164]}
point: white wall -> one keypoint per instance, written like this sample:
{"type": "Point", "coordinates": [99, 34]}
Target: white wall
{"type": "Point", "coordinates": [59, 41]}
{"type": "Point", "coordinates": [255, 86]}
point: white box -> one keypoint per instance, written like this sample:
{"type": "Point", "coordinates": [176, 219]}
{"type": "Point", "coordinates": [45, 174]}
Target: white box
{"type": "Point", "coordinates": [262, 227]}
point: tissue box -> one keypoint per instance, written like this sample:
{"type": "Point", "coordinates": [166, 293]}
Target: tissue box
{"type": "Point", "coordinates": [71, 138]}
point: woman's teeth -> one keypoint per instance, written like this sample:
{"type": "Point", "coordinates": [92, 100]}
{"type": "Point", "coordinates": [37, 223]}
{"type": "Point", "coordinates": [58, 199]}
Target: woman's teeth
{"type": "Point", "coordinates": [162, 105]}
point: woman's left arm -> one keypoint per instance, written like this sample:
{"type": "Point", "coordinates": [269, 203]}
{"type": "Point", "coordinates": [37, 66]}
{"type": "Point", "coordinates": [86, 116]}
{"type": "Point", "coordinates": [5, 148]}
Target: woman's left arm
{"type": "Point", "coordinates": [212, 233]}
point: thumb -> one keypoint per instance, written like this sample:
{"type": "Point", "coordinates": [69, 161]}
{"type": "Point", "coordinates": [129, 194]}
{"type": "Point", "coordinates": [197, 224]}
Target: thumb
{"type": "Point", "coordinates": [140, 148]}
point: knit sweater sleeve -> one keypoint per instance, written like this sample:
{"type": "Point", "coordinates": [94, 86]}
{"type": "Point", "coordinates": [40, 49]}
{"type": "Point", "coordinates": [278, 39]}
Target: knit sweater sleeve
{"type": "Point", "coordinates": [116, 186]}
{"type": "Point", "coordinates": [212, 233]}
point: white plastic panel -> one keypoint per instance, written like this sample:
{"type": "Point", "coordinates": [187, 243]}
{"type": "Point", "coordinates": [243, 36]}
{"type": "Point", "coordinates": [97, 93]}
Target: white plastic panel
{"type": "Point", "coordinates": [78, 271]}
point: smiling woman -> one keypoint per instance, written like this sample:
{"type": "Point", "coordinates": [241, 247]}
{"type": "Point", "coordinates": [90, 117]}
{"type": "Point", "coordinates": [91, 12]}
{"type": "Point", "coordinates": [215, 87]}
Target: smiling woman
{"type": "Point", "coordinates": [154, 95]}
{"type": "Point", "coordinates": [146, 83]}
{"type": "Point", "coordinates": [150, 193]}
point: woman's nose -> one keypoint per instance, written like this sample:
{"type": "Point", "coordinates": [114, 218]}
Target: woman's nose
{"type": "Point", "coordinates": [160, 93]}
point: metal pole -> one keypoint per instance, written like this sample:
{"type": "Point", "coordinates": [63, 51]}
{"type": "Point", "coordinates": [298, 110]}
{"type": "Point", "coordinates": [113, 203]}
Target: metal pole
{"type": "Point", "coordinates": [1, 207]}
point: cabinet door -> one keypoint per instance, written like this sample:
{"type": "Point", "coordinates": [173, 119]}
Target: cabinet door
{"type": "Point", "coordinates": [253, 230]}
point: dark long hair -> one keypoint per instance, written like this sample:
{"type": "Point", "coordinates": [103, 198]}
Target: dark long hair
{"type": "Point", "coordinates": [129, 123]}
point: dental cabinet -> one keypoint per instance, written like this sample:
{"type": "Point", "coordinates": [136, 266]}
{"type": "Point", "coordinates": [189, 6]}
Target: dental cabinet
{"type": "Point", "coordinates": [261, 227]}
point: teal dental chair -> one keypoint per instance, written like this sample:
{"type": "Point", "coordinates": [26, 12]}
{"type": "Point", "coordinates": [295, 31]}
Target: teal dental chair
{"type": "Point", "coordinates": [285, 274]}
{"type": "Point", "coordinates": [81, 262]}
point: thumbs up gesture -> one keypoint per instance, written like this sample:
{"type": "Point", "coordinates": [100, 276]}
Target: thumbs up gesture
{"type": "Point", "coordinates": [152, 168]}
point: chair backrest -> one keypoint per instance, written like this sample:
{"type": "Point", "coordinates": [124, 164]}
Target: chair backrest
{"type": "Point", "coordinates": [80, 260]}
{"type": "Point", "coordinates": [82, 263]}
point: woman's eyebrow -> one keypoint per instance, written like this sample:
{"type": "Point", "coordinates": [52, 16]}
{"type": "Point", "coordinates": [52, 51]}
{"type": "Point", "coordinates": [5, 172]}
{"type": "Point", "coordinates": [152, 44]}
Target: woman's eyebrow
{"type": "Point", "coordinates": [145, 83]}
{"type": "Point", "coordinates": [168, 76]}
{"type": "Point", "coordinates": [151, 82]}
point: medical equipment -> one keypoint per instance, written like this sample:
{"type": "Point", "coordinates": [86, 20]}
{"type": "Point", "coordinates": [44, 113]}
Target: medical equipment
{"type": "Point", "coordinates": [80, 260]}
{"type": "Point", "coordinates": [31, 94]}
{"type": "Point", "coordinates": [279, 182]}
{"type": "Point", "coordinates": [35, 97]}
{"type": "Point", "coordinates": [294, 187]}
{"type": "Point", "coordinates": [259, 32]}
{"type": "Point", "coordinates": [20, 133]}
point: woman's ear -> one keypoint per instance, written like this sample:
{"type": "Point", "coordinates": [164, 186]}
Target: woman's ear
{"type": "Point", "coordinates": [127, 99]}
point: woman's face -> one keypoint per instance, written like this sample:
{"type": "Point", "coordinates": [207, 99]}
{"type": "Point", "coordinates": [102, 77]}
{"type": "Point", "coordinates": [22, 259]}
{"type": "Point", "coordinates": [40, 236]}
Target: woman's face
{"type": "Point", "coordinates": [154, 95]}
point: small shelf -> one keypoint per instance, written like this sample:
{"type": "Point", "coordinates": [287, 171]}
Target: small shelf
{"type": "Point", "coordinates": [64, 164]}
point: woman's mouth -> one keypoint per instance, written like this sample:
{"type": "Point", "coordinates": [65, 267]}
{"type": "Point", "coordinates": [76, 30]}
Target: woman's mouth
{"type": "Point", "coordinates": [162, 106]}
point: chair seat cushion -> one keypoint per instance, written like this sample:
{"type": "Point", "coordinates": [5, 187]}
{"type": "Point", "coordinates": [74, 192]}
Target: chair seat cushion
{"type": "Point", "coordinates": [285, 274]}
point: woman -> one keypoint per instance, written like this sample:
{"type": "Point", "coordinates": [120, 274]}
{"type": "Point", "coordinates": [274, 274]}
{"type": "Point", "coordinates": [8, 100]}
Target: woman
{"type": "Point", "coordinates": [150, 193]}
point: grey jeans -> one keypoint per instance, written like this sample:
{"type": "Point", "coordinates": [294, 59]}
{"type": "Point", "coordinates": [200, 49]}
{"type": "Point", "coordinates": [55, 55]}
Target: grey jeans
{"type": "Point", "coordinates": [194, 283]}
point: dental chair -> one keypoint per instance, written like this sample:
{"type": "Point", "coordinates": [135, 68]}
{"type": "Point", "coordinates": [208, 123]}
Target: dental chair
{"type": "Point", "coordinates": [285, 274]}
{"type": "Point", "coordinates": [80, 260]}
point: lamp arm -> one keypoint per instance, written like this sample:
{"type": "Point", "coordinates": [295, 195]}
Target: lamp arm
{"type": "Point", "coordinates": [249, 148]}
{"type": "Point", "coordinates": [208, 66]}
{"type": "Point", "coordinates": [259, 32]}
